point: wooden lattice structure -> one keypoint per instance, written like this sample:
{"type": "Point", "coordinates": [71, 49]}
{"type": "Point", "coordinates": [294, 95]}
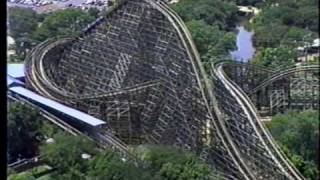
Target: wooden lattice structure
{"type": "Point", "coordinates": [277, 91]}
{"type": "Point", "coordinates": [138, 70]}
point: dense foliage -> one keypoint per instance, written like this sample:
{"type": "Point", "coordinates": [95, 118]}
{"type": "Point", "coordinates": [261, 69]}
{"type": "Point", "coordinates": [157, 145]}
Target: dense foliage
{"type": "Point", "coordinates": [23, 128]}
{"type": "Point", "coordinates": [209, 22]}
{"type": "Point", "coordinates": [277, 58]}
{"type": "Point", "coordinates": [22, 22]}
{"type": "Point", "coordinates": [286, 21]}
{"type": "Point", "coordinates": [209, 37]}
{"type": "Point", "coordinates": [66, 153]}
{"type": "Point", "coordinates": [298, 136]}
{"type": "Point", "coordinates": [27, 131]}
{"type": "Point", "coordinates": [22, 176]}
{"type": "Point", "coordinates": [109, 165]}
{"type": "Point", "coordinates": [282, 27]}
{"type": "Point", "coordinates": [213, 12]}
{"type": "Point", "coordinates": [28, 28]}
{"type": "Point", "coordinates": [170, 163]}
{"type": "Point", "coordinates": [68, 22]}
{"type": "Point", "coordinates": [159, 162]}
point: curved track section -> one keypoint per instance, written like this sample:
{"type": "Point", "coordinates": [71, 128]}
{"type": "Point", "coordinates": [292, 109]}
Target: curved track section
{"type": "Point", "coordinates": [284, 74]}
{"type": "Point", "coordinates": [277, 91]}
{"type": "Point", "coordinates": [238, 108]}
{"type": "Point", "coordinates": [138, 69]}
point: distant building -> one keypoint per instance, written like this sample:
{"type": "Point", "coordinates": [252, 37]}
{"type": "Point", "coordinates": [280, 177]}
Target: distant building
{"type": "Point", "coordinates": [16, 71]}
{"type": "Point", "coordinates": [311, 48]}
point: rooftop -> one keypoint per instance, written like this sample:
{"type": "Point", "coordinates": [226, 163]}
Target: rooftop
{"type": "Point", "coordinates": [58, 106]}
{"type": "Point", "coordinates": [15, 70]}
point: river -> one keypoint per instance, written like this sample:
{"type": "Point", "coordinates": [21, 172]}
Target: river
{"type": "Point", "coordinates": [245, 49]}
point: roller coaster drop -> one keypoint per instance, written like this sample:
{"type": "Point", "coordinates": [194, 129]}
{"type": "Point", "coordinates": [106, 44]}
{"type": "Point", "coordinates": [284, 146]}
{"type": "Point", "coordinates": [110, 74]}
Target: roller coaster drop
{"type": "Point", "coordinates": [138, 69]}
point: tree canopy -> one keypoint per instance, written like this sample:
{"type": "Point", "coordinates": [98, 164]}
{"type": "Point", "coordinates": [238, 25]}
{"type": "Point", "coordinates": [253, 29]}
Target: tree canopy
{"type": "Point", "coordinates": [207, 37]}
{"type": "Point", "coordinates": [22, 176]}
{"type": "Point", "coordinates": [159, 162]}
{"type": "Point", "coordinates": [28, 28]}
{"type": "Point", "coordinates": [277, 58]}
{"type": "Point", "coordinates": [66, 152]}
{"type": "Point", "coordinates": [298, 136]}
{"type": "Point", "coordinates": [109, 165]}
{"type": "Point", "coordinates": [68, 22]}
{"type": "Point", "coordinates": [23, 125]}
{"type": "Point", "coordinates": [173, 163]}
{"type": "Point", "coordinates": [286, 22]}
{"type": "Point", "coordinates": [214, 12]}
{"type": "Point", "coordinates": [210, 22]}
{"type": "Point", "coordinates": [22, 22]}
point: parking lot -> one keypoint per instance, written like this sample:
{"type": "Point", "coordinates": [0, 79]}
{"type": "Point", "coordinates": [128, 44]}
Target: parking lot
{"type": "Point", "coordinates": [42, 6]}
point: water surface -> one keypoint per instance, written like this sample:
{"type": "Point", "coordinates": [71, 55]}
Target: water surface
{"type": "Point", "coordinates": [245, 50]}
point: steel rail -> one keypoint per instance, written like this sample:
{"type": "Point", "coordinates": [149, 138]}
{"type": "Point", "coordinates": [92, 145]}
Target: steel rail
{"type": "Point", "coordinates": [247, 100]}
{"type": "Point", "coordinates": [38, 79]}
{"type": "Point", "coordinates": [282, 74]}
{"type": "Point", "coordinates": [191, 49]}
{"type": "Point", "coordinates": [278, 74]}
{"type": "Point", "coordinates": [254, 117]}
{"type": "Point", "coordinates": [225, 136]}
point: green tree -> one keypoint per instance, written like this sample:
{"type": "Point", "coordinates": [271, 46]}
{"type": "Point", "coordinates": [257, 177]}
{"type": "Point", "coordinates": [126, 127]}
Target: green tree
{"type": "Point", "coordinates": [22, 22]}
{"type": "Point", "coordinates": [213, 44]}
{"type": "Point", "coordinates": [160, 162]}
{"type": "Point", "coordinates": [209, 22]}
{"type": "Point", "coordinates": [172, 163]}
{"type": "Point", "coordinates": [109, 165]}
{"type": "Point", "coordinates": [65, 153]}
{"type": "Point", "coordinates": [49, 130]}
{"type": "Point", "coordinates": [213, 12]}
{"type": "Point", "coordinates": [22, 176]}
{"type": "Point", "coordinates": [68, 22]}
{"type": "Point", "coordinates": [281, 57]}
{"type": "Point", "coordinates": [94, 12]}
{"type": "Point", "coordinates": [298, 136]}
{"type": "Point", "coordinates": [23, 125]}
{"type": "Point", "coordinates": [204, 35]}
{"type": "Point", "coordinates": [269, 35]}
{"type": "Point", "coordinates": [297, 34]}
{"type": "Point", "coordinates": [285, 21]}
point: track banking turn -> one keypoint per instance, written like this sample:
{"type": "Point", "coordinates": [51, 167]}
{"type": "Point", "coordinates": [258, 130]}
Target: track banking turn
{"type": "Point", "coordinates": [148, 73]}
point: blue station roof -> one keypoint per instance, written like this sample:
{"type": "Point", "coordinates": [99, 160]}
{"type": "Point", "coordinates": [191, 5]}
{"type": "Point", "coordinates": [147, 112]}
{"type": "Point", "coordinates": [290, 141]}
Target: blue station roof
{"type": "Point", "coordinates": [58, 106]}
{"type": "Point", "coordinates": [13, 82]}
{"type": "Point", "coordinates": [15, 70]}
